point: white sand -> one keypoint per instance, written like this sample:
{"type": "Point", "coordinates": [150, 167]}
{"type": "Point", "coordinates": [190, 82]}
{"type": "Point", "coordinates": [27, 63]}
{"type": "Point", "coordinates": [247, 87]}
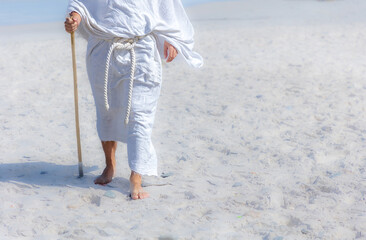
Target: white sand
{"type": "Point", "coordinates": [267, 141]}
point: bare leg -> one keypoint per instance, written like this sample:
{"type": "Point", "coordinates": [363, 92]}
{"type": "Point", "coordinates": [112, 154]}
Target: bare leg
{"type": "Point", "coordinates": [109, 148]}
{"type": "Point", "coordinates": [135, 187]}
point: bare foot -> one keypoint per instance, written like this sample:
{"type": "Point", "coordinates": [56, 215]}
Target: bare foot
{"type": "Point", "coordinates": [106, 176]}
{"type": "Point", "coordinates": [109, 148]}
{"type": "Point", "coordinates": [135, 187]}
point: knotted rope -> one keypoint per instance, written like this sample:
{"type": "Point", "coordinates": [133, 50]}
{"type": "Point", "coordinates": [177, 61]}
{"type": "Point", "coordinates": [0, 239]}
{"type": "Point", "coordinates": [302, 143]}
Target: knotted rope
{"type": "Point", "coordinates": [128, 44]}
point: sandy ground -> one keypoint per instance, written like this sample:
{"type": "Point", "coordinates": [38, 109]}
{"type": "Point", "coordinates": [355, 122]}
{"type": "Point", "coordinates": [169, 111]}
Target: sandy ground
{"type": "Point", "coordinates": [267, 141]}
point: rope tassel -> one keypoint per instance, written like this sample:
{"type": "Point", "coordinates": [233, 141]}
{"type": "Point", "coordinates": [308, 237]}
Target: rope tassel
{"type": "Point", "coordinates": [129, 45]}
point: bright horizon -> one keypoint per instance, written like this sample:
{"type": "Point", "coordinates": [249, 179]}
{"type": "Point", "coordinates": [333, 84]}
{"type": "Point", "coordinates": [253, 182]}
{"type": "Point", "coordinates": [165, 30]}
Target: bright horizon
{"type": "Point", "coordinates": [16, 12]}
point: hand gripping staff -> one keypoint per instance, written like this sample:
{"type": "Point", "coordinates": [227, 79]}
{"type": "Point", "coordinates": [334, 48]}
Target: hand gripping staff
{"type": "Point", "coordinates": [81, 173]}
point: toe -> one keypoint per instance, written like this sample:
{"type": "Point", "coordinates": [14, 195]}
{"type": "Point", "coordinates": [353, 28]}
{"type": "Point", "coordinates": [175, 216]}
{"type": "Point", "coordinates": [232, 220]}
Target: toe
{"type": "Point", "coordinates": [100, 181]}
{"type": "Point", "coordinates": [143, 195]}
{"type": "Point", "coordinates": [139, 195]}
{"type": "Point", "coordinates": [134, 196]}
{"type": "Point", "coordinates": [97, 181]}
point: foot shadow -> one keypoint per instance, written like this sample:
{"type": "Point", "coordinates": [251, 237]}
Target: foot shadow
{"type": "Point", "coordinates": [50, 174]}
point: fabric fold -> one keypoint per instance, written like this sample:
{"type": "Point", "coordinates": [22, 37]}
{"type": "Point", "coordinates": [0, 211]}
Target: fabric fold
{"type": "Point", "coordinates": [165, 19]}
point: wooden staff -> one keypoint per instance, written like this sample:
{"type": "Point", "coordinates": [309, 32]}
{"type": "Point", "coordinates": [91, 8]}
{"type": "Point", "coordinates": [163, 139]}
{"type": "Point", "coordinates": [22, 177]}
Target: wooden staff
{"type": "Point", "coordinates": [81, 173]}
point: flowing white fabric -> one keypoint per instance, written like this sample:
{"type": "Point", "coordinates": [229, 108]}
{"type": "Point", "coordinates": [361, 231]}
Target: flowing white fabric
{"type": "Point", "coordinates": [103, 21]}
{"type": "Point", "coordinates": [165, 19]}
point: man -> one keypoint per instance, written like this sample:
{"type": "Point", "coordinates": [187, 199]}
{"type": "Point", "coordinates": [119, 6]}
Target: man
{"type": "Point", "coordinates": [125, 41]}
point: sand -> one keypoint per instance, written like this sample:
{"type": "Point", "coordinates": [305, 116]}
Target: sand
{"type": "Point", "coordinates": [266, 141]}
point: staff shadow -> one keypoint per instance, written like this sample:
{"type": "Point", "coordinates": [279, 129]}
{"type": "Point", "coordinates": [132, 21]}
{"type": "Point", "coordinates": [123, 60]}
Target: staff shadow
{"type": "Point", "coordinates": [50, 174]}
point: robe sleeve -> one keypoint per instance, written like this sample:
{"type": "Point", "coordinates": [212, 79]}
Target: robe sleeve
{"type": "Point", "coordinates": [174, 26]}
{"type": "Point", "coordinates": [89, 25]}
{"type": "Point", "coordinates": [76, 6]}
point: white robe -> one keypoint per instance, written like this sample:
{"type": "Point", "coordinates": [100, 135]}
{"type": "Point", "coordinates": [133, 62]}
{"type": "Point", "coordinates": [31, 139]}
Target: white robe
{"type": "Point", "coordinates": [105, 20]}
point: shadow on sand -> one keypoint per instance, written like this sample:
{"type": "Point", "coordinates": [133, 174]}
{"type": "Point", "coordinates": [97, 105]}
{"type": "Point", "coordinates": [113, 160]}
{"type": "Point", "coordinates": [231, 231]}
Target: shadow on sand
{"type": "Point", "coordinates": [50, 174]}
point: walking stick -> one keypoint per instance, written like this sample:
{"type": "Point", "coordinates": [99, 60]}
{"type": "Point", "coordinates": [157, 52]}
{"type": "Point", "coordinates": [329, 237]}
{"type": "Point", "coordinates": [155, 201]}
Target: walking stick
{"type": "Point", "coordinates": [81, 173]}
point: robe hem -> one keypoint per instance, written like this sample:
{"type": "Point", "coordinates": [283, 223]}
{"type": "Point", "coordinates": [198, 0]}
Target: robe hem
{"type": "Point", "coordinates": [148, 173]}
{"type": "Point", "coordinates": [113, 140]}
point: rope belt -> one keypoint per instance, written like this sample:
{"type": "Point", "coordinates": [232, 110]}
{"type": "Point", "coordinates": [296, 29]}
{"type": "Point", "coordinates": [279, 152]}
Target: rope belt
{"type": "Point", "coordinates": [128, 44]}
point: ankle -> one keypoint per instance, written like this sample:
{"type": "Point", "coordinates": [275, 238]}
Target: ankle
{"type": "Point", "coordinates": [110, 164]}
{"type": "Point", "coordinates": [135, 177]}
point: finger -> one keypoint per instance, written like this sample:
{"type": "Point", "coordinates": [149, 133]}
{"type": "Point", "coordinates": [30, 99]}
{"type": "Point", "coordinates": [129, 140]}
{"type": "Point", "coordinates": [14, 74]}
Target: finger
{"type": "Point", "coordinates": [69, 29]}
{"type": "Point", "coordinates": [68, 26]}
{"type": "Point", "coordinates": [172, 53]}
{"type": "Point", "coordinates": [172, 49]}
{"type": "Point", "coordinates": [170, 59]}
